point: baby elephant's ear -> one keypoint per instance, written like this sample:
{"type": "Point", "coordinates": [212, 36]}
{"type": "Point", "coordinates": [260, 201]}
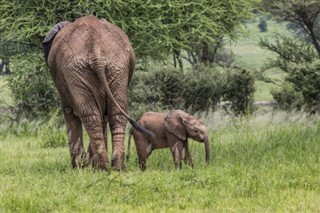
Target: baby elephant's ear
{"type": "Point", "coordinates": [173, 123]}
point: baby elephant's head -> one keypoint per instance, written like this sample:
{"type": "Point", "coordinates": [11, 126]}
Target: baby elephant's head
{"type": "Point", "coordinates": [184, 125]}
{"type": "Point", "coordinates": [196, 129]}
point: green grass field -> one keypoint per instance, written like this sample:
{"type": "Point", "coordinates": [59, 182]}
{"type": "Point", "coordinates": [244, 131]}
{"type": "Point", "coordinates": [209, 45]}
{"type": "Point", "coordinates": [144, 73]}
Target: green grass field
{"type": "Point", "coordinates": [267, 163]}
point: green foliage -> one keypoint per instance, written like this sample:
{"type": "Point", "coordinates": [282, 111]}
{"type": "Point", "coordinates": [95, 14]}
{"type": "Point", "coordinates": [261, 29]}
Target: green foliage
{"type": "Point", "coordinates": [156, 28]}
{"type": "Point", "coordinates": [198, 90]}
{"type": "Point", "coordinates": [239, 90]}
{"type": "Point", "coordinates": [156, 90]}
{"type": "Point", "coordinates": [52, 134]}
{"type": "Point", "coordinates": [288, 98]}
{"type": "Point", "coordinates": [288, 50]}
{"type": "Point", "coordinates": [301, 64]}
{"type": "Point", "coordinates": [306, 79]}
{"type": "Point", "coordinates": [297, 57]}
{"type": "Point", "coordinates": [304, 14]}
{"type": "Point", "coordinates": [203, 89]}
{"type": "Point", "coordinates": [32, 88]}
{"type": "Point", "coordinates": [171, 88]}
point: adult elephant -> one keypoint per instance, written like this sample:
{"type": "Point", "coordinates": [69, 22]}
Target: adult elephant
{"type": "Point", "coordinates": [91, 62]}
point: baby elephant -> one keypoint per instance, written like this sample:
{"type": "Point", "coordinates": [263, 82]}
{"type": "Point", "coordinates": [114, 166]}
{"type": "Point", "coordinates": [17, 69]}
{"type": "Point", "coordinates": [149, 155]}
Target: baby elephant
{"type": "Point", "coordinates": [171, 129]}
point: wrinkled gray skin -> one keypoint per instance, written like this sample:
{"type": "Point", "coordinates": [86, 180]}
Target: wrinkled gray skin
{"type": "Point", "coordinates": [170, 130]}
{"type": "Point", "coordinates": [91, 62]}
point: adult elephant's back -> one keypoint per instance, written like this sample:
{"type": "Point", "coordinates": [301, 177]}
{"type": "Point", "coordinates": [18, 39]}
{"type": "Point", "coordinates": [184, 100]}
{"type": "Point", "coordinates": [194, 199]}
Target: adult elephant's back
{"type": "Point", "coordinates": [89, 43]}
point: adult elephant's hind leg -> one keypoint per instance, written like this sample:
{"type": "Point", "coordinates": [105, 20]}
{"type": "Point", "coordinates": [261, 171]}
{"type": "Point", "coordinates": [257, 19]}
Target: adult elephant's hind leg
{"type": "Point", "coordinates": [104, 126]}
{"type": "Point", "coordinates": [94, 127]}
{"type": "Point", "coordinates": [74, 131]}
{"type": "Point", "coordinates": [117, 125]}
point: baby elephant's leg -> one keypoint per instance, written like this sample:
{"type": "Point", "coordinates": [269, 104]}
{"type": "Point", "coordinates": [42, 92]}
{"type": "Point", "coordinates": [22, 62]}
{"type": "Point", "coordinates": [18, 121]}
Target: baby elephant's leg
{"type": "Point", "coordinates": [176, 150]}
{"type": "Point", "coordinates": [186, 154]}
{"type": "Point", "coordinates": [144, 151]}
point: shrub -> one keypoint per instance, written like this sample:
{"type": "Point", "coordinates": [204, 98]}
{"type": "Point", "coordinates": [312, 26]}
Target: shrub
{"type": "Point", "coordinates": [287, 98]}
{"type": "Point", "coordinates": [198, 90]}
{"type": "Point", "coordinates": [238, 91]}
{"type": "Point", "coordinates": [203, 89]}
{"type": "Point", "coordinates": [167, 88]}
{"type": "Point", "coordinates": [32, 88]}
{"type": "Point", "coordinates": [306, 80]}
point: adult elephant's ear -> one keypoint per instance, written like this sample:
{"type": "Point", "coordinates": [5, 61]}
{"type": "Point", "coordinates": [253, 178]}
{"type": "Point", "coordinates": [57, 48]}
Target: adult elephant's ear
{"type": "Point", "coordinates": [46, 43]}
{"type": "Point", "coordinates": [173, 122]}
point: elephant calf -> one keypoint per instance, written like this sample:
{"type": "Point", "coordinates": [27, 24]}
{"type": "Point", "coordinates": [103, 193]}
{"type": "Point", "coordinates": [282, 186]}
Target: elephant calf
{"type": "Point", "coordinates": [171, 129]}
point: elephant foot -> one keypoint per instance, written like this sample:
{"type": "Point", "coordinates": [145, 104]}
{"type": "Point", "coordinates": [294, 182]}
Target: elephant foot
{"type": "Point", "coordinates": [101, 163]}
{"type": "Point", "coordinates": [99, 159]}
{"type": "Point", "coordinates": [117, 162]}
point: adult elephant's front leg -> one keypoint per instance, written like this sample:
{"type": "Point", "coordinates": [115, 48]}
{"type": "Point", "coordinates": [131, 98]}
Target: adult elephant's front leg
{"type": "Point", "coordinates": [74, 131]}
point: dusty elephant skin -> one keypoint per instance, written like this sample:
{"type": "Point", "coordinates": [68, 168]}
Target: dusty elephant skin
{"type": "Point", "coordinates": [171, 129]}
{"type": "Point", "coordinates": [91, 62]}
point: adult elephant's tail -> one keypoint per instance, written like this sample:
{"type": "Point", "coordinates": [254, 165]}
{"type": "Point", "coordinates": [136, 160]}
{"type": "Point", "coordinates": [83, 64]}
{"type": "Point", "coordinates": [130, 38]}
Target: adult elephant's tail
{"type": "Point", "coordinates": [103, 79]}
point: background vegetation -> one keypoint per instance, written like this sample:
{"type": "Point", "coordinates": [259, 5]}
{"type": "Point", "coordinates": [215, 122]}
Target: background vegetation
{"type": "Point", "coordinates": [214, 59]}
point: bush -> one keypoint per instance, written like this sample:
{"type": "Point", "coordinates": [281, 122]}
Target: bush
{"type": "Point", "coordinates": [168, 88]}
{"type": "Point", "coordinates": [32, 88]}
{"type": "Point", "coordinates": [198, 90]}
{"type": "Point", "coordinates": [203, 89]}
{"type": "Point", "coordinates": [287, 98]}
{"type": "Point", "coordinates": [238, 91]}
{"type": "Point", "coordinates": [306, 80]}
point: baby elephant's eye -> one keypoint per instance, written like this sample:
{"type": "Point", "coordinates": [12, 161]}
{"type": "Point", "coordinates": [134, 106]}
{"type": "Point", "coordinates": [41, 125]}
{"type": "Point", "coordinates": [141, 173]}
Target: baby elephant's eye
{"type": "Point", "coordinates": [196, 129]}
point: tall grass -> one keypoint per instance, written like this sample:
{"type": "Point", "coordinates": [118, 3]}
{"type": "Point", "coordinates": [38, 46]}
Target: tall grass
{"type": "Point", "coordinates": [265, 163]}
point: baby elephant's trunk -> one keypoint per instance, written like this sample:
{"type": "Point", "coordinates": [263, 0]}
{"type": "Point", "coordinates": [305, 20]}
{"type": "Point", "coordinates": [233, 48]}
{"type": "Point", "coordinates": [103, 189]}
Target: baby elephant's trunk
{"type": "Point", "coordinates": [207, 148]}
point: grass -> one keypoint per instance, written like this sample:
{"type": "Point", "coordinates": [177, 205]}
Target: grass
{"type": "Point", "coordinates": [265, 163]}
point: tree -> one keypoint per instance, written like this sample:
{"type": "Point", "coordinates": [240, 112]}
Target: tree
{"type": "Point", "coordinates": [302, 13]}
{"type": "Point", "coordinates": [297, 56]}
{"type": "Point", "coordinates": [156, 28]}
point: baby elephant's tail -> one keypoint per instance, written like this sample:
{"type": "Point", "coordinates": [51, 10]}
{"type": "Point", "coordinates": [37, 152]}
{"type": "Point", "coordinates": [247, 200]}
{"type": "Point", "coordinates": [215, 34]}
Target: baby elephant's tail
{"type": "Point", "coordinates": [129, 142]}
